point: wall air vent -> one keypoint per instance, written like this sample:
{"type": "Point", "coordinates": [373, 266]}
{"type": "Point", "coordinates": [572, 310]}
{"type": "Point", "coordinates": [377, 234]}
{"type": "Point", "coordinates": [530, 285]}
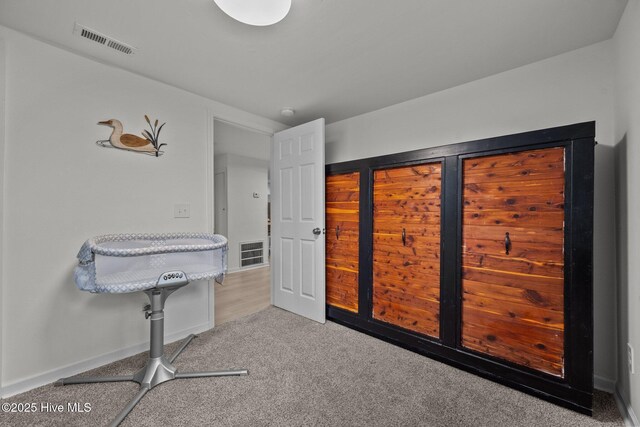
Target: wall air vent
{"type": "Point", "coordinates": [88, 33]}
{"type": "Point", "coordinates": [251, 253]}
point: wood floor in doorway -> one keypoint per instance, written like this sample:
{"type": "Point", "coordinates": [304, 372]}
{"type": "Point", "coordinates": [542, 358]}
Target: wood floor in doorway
{"type": "Point", "coordinates": [243, 293]}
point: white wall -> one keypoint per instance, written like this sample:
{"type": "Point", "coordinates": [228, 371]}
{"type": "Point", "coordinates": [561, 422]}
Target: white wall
{"type": "Point", "coordinates": [232, 139]}
{"type": "Point", "coordinates": [247, 216]}
{"type": "Point", "coordinates": [570, 88]}
{"type": "Point", "coordinates": [60, 188]}
{"type": "Point", "coordinates": [627, 138]}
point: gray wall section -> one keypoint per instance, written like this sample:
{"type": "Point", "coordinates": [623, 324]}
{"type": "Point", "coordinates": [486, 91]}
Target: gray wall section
{"type": "Point", "coordinates": [627, 159]}
{"type": "Point", "coordinates": [622, 264]}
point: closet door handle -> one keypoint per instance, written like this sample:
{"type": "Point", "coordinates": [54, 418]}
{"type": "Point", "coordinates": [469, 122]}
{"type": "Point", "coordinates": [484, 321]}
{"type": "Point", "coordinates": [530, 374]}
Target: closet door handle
{"type": "Point", "coordinates": [404, 237]}
{"type": "Point", "coordinates": [337, 232]}
{"type": "Point", "coordinates": [507, 243]}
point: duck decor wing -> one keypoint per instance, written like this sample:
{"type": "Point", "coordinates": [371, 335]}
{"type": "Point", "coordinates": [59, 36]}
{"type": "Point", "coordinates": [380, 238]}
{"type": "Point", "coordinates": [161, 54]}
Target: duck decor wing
{"type": "Point", "coordinates": [133, 141]}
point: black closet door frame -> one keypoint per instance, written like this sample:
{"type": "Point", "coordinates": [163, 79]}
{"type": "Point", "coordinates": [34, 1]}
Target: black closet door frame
{"type": "Point", "coordinates": [575, 390]}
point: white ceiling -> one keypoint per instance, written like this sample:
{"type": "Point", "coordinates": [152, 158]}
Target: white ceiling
{"type": "Point", "coordinates": [328, 58]}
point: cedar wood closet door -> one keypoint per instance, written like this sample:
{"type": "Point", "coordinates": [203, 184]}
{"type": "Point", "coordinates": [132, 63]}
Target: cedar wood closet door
{"type": "Point", "coordinates": [342, 221]}
{"type": "Point", "coordinates": [406, 270]}
{"type": "Point", "coordinates": [513, 303]}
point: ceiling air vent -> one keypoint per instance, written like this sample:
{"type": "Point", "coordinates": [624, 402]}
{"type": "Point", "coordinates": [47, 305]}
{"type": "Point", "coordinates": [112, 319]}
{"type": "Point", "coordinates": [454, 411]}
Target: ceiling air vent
{"type": "Point", "coordinates": [97, 37]}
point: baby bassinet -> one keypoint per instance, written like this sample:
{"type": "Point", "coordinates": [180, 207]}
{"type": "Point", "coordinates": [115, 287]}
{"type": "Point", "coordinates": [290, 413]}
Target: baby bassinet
{"type": "Point", "coordinates": [120, 263]}
{"type": "Point", "coordinates": [158, 265]}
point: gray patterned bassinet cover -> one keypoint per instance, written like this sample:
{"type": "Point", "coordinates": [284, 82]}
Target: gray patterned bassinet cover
{"type": "Point", "coordinates": [121, 263]}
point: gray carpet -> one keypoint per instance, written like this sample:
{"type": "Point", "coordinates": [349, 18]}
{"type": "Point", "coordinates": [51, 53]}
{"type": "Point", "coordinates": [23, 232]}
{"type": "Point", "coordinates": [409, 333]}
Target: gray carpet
{"type": "Point", "coordinates": [302, 373]}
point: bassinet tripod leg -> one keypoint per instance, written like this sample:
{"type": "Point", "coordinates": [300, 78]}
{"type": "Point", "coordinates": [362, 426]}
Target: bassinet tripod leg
{"type": "Point", "coordinates": [225, 373]}
{"type": "Point", "coordinates": [158, 368]}
{"type": "Point", "coordinates": [180, 349]}
{"type": "Point", "coordinates": [123, 414]}
{"type": "Point", "coordinates": [203, 374]}
{"type": "Point", "coordinates": [88, 380]}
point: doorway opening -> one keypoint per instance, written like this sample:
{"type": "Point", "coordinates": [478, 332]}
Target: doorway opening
{"type": "Point", "coordinates": [241, 199]}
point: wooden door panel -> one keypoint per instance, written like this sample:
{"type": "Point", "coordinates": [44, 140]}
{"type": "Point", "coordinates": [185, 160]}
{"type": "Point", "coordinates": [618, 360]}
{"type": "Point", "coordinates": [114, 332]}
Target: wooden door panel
{"type": "Point", "coordinates": [343, 294]}
{"type": "Point", "coordinates": [534, 354]}
{"type": "Point", "coordinates": [513, 264]}
{"type": "Point", "coordinates": [344, 264]}
{"type": "Point", "coordinates": [345, 231]}
{"type": "Point", "coordinates": [346, 249]}
{"type": "Point", "coordinates": [411, 269]}
{"type": "Point", "coordinates": [517, 311]}
{"type": "Point", "coordinates": [406, 193]}
{"type": "Point", "coordinates": [526, 203]}
{"type": "Point", "coordinates": [523, 235]}
{"type": "Point", "coordinates": [553, 158]}
{"type": "Point", "coordinates": [417, 278]}
{"type": "Point", "coordinates": [516, 188]}
{"type": "Point", "coordinates": [537, 251]}
{"type": "Point", "coordinates": [404, 206]}
{"type": "Point", "coordinates": [425, 250]}
{"type": "Point", "coordinates": [406, 272]}
{"type": "Point", "coordinates": [513, 304]}
{"type": "Point", "coordinates": [509, 294]}
{"type": "Point", "coordinates": [342, 240]}
{"type": "Point", "coordinates": [407, 289]}
{"type": "Point", "coordinates": [341, 206]}
{"type": "Point", "coordinates": [341, 196]}
{"type": "Point", "coordinates": [514, 280]}
{"type": "Point", "coordinates": [413, 238]}
{"type": "Point", "coordinates": [509, 335]}
{"type": "Point", "coordinates": [514, 173]}
{"type": "Point", "coordinates": [407, 317]}
{"type": "Point", "coordinates": [427, 301]}
{"type": "Point", "coordinates": [413, 231]}
{"type": "Point", "coordinates": [513, 218]}
{"type": "Point", "coordinates": [422, 173]}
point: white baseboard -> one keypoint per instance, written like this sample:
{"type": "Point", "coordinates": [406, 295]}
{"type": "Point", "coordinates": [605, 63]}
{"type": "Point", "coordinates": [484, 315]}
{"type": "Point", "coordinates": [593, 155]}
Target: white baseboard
{"type": "Point", "coordinates": [604, 384]}
{"type": "Point", "coordinates": [76, 368]}
{"type": "Point", "coordinates": [626, 410]}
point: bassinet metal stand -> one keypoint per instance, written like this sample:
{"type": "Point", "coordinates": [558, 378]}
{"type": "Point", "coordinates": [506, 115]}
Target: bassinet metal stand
{"type": "Point", "coordinates": [159, 368]}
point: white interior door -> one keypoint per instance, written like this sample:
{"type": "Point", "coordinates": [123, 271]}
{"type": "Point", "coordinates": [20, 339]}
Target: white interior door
{"type": "Point", "coordinates": [297, 203]}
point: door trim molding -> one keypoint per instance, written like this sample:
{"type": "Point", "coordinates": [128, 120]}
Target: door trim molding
{"type": "Point", "coordinates": [209, 200]}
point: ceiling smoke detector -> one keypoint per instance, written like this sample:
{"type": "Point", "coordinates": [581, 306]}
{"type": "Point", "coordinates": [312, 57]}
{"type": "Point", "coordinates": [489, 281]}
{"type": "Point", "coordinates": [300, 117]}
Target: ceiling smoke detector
{"type": "Point", "coordinates": [287, 112]}
{"type": "Point", "coordinates": [93, 35]}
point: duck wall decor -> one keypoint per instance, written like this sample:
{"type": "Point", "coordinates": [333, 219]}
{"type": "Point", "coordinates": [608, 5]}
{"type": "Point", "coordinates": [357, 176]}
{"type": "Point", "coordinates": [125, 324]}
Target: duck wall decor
{"type": "Point", "coordinates": [126, 141]}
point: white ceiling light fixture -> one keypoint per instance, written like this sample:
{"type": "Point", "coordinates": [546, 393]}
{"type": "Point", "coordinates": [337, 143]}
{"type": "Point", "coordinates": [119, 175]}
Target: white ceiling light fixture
{"type": "Point", "coordinates": [255, 12]}
{"type": "Point", "coordinates": [288, 112]}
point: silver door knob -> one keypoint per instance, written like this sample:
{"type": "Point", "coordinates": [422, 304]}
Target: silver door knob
{"type": "Point", "coordinates": [317, 231]}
